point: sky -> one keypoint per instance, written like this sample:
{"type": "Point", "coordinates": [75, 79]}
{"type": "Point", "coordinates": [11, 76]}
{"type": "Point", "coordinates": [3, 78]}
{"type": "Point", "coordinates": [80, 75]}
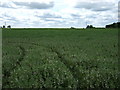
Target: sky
{"type": "Point", "coordinates": [58, 13]}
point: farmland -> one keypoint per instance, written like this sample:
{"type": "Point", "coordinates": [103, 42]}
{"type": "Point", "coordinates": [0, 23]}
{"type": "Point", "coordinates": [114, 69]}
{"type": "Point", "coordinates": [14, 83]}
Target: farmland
{"type": "Point", "coordinates": [60, 58]}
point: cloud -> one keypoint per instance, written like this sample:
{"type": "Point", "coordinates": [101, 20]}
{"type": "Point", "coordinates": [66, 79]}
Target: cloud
{"type": "Point", "coordinates": [9, 19]}
{"type": "Point", "coordinates": [58, 13]}
{"type": "Point", "coordinates": [95, 6]}
{"type": "Point", "coordinates": [35, 5]}
{"type": "Point", "coordinates": [75, 15]}
{"type": "Point", "coordinates": [29, 5]}
{"type": "Point", "coordinates": [119, 11]}
{"type": "Point", "coordinates": [6, 5]}
{"type": "Point", "coordinates": [50, 17]}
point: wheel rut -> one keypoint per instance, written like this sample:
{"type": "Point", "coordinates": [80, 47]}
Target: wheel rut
{"type": "Point", "coordinates": [64, 61]}
{"type": "Point", "coordinates": [7, 74]}
{"type": "Point", "coordinates": [52, 49]}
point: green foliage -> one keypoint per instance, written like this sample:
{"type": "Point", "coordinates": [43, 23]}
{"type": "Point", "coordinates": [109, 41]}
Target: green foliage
{"type": "Point", "coordinates": [114, 25]}
{"type": "Point", "coordinates": [60, 59]}
{"type": "Point", "coordinates": [90, 26]}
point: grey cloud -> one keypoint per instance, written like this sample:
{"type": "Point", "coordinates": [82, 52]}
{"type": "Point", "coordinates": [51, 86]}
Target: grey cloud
{"type": "Point", "coordinates": [52, 20]}
{"type": "Point", "coordinates": [6, 5]}
{"type": "Point", "coordinates": [48, 20]}
{"type": "Point", "coordinates": [96, 6]}
{"type": "Point", "coordinates": [30, 5]}
{"type": "Point", "coordinates": [48, 15]}
{"type": "Point", "coordinates": [75, 15]}
{"type": "Point", "coordinates": [119, 16]}
{"type": "Point", "coordinates": [119, 11]}
{"type": "Point", "coordinates": [8, 18]}
{"type": "Point", "coordinates": [35, 5]}
{"type": "Point", "coordinates": [119, 6]}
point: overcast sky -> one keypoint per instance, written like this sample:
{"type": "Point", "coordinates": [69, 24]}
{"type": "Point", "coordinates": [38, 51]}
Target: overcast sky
{"type": "Point", "coordinates": [58, 13]}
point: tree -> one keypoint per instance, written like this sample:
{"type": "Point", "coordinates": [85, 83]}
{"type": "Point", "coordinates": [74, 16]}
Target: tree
{"type": "Point", "coordinates": [9, 26]}
{"type": "Point", "coordinates": [114, 25]}
{"type": "Point", "coordinates": [118, 24]}
{"type": "Point", "coordinates": [72, 28]}
{"type": "Point", "coordinates": [89, 26]}
{"type": "Point", "coordinates": [3, 26]}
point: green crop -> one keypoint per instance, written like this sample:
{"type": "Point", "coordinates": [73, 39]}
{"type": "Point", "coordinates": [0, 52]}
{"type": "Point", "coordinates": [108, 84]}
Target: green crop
{"type": "Point", "coordinates": [60, 58]}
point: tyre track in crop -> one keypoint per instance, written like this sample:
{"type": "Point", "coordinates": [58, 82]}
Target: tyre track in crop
{"type": "Point", "coordinates": [64, 61]}
{"type": "Point", "coordinates": [72, 69]}
{"type": "Point", "coordinates": [23, 53]}
{"type": "Point", "coordinates": [35, 44]}
{"type": "Point", "coordinates": [7, 74]}
{"type": "Point", "coordinates": [52, 49]}
{"type": "Point", "coordinates": [61, 57]}
{"type": "Point", "coordinates": [32, 43]}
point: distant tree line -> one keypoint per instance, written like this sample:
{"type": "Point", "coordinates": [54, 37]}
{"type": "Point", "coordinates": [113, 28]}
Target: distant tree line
{"type": "Point", "coordinates": [5, 26]}
{"type": "Point", "coordinates": [72, 28]}
{"type": "Point", "coordinates": [114, 25]}
{"type": "Point", "coordinates": [90, 26]}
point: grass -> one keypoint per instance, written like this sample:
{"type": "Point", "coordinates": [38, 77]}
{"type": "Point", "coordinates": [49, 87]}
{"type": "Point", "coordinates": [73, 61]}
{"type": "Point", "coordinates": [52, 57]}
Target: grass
{"type": "Point", "coordinates": [60, 58]}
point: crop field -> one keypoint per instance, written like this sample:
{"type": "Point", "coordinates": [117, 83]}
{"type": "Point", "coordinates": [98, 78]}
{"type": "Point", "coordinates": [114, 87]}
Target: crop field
{"type": "Point", "coordinates": [60, 58]}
